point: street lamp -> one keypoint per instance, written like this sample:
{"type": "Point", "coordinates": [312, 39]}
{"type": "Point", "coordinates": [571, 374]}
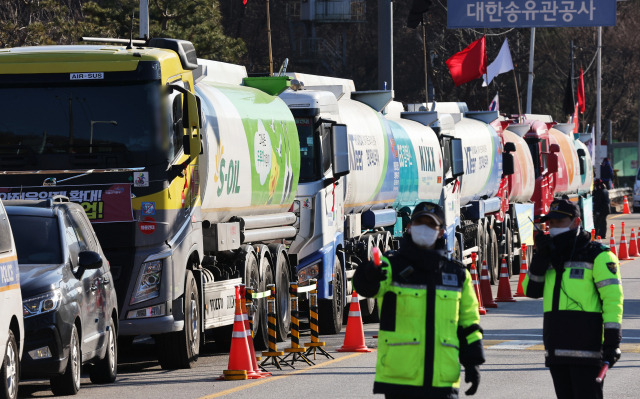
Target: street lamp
{"type": "Point", "coordinates": [114, 123]}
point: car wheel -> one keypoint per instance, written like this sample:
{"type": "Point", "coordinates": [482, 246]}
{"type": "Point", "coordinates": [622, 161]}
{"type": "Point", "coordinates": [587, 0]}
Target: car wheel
{"type": "Point", "coordinates": [106, 370]}
{"type": "Point", "coordinates": [180, 350]}
{"type": "Point", "coordinates": [10, 372]}
{"type": "Point", "coordinates": [69, 382]}
{"type": "Point", "coordinates": [330, 310]}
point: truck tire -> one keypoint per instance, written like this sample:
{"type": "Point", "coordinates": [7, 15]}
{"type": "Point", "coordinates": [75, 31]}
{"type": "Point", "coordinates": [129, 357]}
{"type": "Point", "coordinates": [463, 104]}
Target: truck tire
{"type": "Point", "coordinates": [180, 350]}
{"type": "Point", "coordinates": [69, 382]}
{"type": "Point", "coordinates": [10, 372]}
{"type": "Point", "coordinates": [330, 310]}
{"type": "Point", "coordinates": [282, 278]}
{"type": "Point", "coordinates": [261, 339]}
{"type": "Point", "coordinates": [105, 370]}
{"type": "Point", "coordinates": [251, 278]}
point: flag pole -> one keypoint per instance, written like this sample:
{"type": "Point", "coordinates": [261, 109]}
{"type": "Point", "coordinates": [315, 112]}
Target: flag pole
{"type": "Point", "coordinates": [269, 40]}
{"type": "Point", "coordinates": [426, 75]}
{"type": "Point", "coordinates": [486, 73]}
{"type": "Point", "coordinates": [515, 81]}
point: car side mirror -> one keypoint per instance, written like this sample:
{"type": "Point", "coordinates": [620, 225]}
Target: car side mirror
{"type": "Point", "coordinates": [89, 260]}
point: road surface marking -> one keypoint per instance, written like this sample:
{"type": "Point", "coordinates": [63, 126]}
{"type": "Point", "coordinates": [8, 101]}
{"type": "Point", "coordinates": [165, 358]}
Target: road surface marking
{"type": "Point", "coordinates": [270, 379]}
{"type": "Point", "coordinates": [532, 345]}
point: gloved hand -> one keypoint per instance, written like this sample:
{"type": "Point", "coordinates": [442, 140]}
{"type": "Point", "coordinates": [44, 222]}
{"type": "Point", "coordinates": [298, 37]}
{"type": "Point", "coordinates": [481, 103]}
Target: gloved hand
{"type": "Point", "coordinates": [611, 354]}
{"type": "Point", "coordinates": [544, 245]}
{"type": "Point", "coordinates": [472, 375]}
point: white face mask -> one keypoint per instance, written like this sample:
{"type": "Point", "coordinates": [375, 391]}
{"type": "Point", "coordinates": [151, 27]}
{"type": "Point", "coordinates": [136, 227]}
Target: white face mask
{"type": "Point", "coordinates": [554, 231]}
{"type": "Point", "coordinates": [424, 236]}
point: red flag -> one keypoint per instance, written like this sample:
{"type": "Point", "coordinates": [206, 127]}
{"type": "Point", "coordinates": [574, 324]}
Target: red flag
{"type": "Point", "coordinates": [470, 63]}
{"type": "Point", "coordinates": [244, 2]}
{"type": "Point", "coordinates": [581, 92]}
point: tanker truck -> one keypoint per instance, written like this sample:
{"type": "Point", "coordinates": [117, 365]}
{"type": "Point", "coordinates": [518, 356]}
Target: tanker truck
{"type": "Point", "coordinates": [392, 168]}
{"type": "Point", "coordinates": [186, 169]}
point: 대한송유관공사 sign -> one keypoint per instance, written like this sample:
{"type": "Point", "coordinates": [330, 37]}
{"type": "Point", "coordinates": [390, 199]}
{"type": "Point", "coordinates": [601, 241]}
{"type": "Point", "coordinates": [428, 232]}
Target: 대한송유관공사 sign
{"type": "Point", "coordinates": [530, 13]}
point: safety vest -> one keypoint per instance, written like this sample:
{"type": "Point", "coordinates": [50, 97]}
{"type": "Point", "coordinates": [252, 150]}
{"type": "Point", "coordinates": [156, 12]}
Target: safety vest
{"type": "Point", "coordinates": [423, 325]}
{"type": "Point", "coordinates": [579, 302]}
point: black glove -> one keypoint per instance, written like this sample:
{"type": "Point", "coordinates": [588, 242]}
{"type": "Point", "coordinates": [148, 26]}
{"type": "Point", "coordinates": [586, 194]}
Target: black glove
{"type": "Point", "coordinates": [611, 354]}
{"type": "Point", "coordinates": [472, 375]}
{"type": "Point", "coordinates": [611, 345]}
{"type": "Point", "coordinates": [544, 245]}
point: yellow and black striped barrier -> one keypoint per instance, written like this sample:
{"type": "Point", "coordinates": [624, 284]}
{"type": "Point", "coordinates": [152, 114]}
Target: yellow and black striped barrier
{"type": "Point", "coordinates": [315, 344]}
{"type": "Point", "coordinates": [295, 351]}
{"type": "Point", "coordinates": [273, 354]}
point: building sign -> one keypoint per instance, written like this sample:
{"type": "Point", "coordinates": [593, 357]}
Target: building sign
{"type": "Point", "coordinates": [102, 203]}
{"type": "Point", "coordinates": [530, 13]}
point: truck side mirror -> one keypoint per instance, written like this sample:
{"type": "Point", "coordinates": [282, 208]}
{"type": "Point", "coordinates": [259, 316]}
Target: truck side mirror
{"type": "Point", "coordinates": [553, 148]}
{"type": "Point", "coordinates": [581, 159]}
{"type": "Point", "coordinates": [507, 163]}
{"type": "Point", "coordinates": [191, 119]}
{"type": "Point", "coordinates": [552, 162]}
{"type": "Point", "coordinates": [457, 161]}
{"type": "Point", "coordinates": [339, 150]}
{"type": "Point", "coordinates": [509, 147]}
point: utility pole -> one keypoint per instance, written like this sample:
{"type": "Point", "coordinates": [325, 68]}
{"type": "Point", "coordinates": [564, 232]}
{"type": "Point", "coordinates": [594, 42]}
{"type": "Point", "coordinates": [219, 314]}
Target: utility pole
{"type": "Point", "coordinates": [599, 107]}
{"type": "Point", "coordinates": [532, 45]}
{"type": "Point", "coordinates": [385, 45]}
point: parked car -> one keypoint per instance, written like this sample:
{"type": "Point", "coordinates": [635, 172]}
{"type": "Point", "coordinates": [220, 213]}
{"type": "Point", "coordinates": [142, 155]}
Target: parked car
{"type": "Point", "coordinates": [11, 323]}
{"type": "Point", "coordinates": [69, 302]}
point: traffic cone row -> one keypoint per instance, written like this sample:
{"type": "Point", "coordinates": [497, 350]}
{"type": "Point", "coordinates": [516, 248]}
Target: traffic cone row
{"type": "Point", "coordinates": [504, 287]}
{"type": "Point", "coordinates": [354, 334]}
{"type": "Point", "coordinates": [485, 287]}
{"type": "Point", "coordinates": [523, 270]}
{"type": "Point", "coordinates": [476, 286]}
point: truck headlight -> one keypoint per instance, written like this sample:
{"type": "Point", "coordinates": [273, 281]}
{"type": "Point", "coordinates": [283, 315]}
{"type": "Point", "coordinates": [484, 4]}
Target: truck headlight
{"type": "Point", "coordinates": [148, 284]}
{"type": "Point", "coordinates": [308, 272]}
{"type": "Point", "coordinates": [41, 304]}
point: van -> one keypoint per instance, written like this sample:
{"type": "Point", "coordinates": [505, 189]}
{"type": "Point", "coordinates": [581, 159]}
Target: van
{"type": "Point", "coordinates": [11, 324]}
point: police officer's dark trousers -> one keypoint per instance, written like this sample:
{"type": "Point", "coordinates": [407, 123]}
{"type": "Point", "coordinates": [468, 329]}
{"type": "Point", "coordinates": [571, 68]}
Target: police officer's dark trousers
{"type": "Point", "coordinates": [576, 381]}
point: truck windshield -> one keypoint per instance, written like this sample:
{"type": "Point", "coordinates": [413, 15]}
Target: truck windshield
{"type": "Point", "coordinates": [111, 124]}
{"type": "Point", "coordinates": [309, 151]}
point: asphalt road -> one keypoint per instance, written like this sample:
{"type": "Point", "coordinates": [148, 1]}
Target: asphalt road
{"type": "Point", "coordinates": [514, 367]}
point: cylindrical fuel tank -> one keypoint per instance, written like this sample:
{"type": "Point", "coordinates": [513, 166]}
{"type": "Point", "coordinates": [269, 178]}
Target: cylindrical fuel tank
{"type": "Point", "coordinates": [482, 152]}
{"type": "Point", "coordinates": [568, 176]}
{"type": "Point", "coordinates": [586, 180]}
{"type": "Point", "coordinates": [251, 153]}
{"type": "Point", "coordinates": [522, 181]}
{"type": "Point", "coordinates": [374, 179]}
{"type": "Point", "coordinates": [420, 160]}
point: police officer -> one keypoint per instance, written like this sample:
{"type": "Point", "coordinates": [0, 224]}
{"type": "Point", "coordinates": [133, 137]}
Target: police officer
{"type": "Point", "coordinates": [429, 314]}
{"type": "Point", "coordinates": [580, 283]}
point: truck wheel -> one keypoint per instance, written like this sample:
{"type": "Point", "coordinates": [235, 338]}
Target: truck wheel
{"type": "Point", "coordinates": [493, 262]}
{"type": "Point", "coordinates": [251, 278]}
{"type": "Point", "coordinates": [266, 277]}
{"type": "Point", "coordinates": [69, 382]}
{"type": "Point", "coordinates": [282, 279]}
{"type": "Point", "coordinates": [330, 310]}
{"type": "Point", "coordinates": [180, 350]}
{"type": "Point", "coordinates": [10, 372]}
{"type": "Point", "coordinates": [106, 370]}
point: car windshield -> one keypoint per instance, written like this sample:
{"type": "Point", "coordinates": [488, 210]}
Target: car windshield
{"type": "Point", "coordinates": [37, 239]}
{"type": "Point", "coordinates": [113, 125]}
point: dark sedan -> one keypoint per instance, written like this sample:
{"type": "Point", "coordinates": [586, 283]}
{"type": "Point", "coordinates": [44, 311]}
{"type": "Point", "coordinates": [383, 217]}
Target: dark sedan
{"type": "Point", "coordinates": [69, 303]}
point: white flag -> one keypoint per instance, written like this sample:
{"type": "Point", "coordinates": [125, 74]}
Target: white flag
{"type": "Point", "coordinates": [495, 104]}
{"type": "Point", "coordinates": [501, 64]}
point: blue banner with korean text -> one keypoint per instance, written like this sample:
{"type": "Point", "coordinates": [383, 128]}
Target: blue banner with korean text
{"type": "Point", "coordinates": [530, 13]}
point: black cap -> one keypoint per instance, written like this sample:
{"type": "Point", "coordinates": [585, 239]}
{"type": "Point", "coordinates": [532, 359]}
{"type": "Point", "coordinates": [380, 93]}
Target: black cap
{"type": "Point", "coordinates": [562, 208]}
{"type": "Point", "coordinates": [429, 209]}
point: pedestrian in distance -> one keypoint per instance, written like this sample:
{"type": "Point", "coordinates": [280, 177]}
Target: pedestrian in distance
{"type": "Point", "coordinates": [606, 173]}
{"type": "Point", "coordinates": [429, 321]}
{"type": "Point", "coordinates": [601, 207]}
{"type": "Point", "coordinates": [579, 281]}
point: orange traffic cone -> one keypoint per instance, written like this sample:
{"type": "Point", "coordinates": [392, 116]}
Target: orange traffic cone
{"type": "Point", "coordinates": [474, 278]}
{"type": "Point", "coordinates": [354, 335]}
{"type": "Point", "coordinates": [485, 287]}
{"type": "Point", "coordinates": [523, 270]}
{"type": "Point", "coordinates": [255, 372]}
{"type": "Point", "coordinates": [599, 239]}
{"type": "Point", "coordinates": [612, 245]}
{"type": "Point", "coordinates": [239, 365]}
{"type": "Point", "coordinates": [625, 207]}
{"type": "Point", "coordinates": [633, 247]}
{"type": "Point", "coordinates": [504, 287]}
{"type": "Point", "coordinates": [622, 249]}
